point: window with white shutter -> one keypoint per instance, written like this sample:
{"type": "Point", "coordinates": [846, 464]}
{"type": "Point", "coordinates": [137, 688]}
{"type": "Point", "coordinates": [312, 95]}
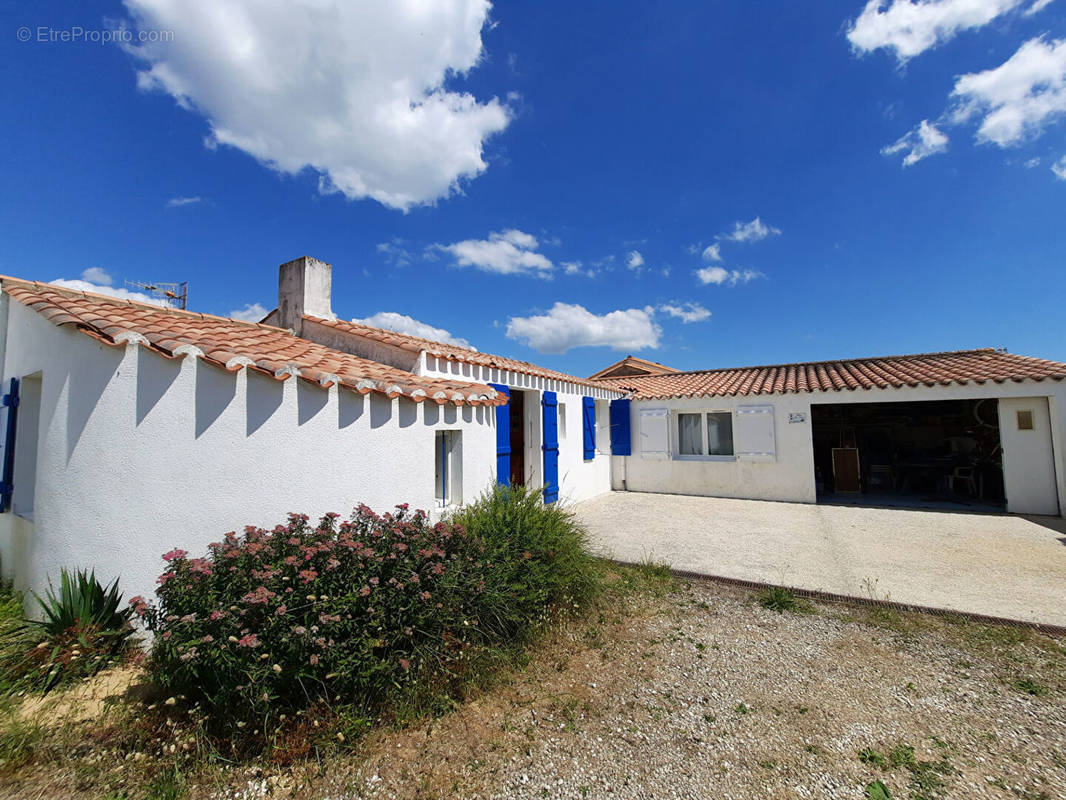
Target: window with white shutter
{"type": "Point", "coordinates": [654, 433]}
{"type": "Point", "coordinates": [755, 433]}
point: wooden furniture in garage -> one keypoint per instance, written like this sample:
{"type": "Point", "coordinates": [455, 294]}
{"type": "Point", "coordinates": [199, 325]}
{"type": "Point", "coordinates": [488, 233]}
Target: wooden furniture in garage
{"type": "Point", "coordinates": [846, 470]}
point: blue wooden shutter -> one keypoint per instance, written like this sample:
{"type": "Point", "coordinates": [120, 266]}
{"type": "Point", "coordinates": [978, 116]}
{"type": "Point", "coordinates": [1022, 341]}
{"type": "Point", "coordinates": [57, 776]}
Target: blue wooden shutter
{"type": "Point", "coordinates": [7, 486]}
{"type": "Point", "coordinates": [621, 438]}
{"type": "Point", "coordinates": [588, 420]}
{"type": "Point", "coordinates": [503, 437]}
{"type": "Point", "coordinates": [550, 404]}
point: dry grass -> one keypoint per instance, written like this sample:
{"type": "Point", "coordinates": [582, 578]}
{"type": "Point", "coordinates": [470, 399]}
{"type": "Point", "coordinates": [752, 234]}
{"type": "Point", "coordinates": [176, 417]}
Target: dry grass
{"type": "Point", "coordinates": [665, 689]}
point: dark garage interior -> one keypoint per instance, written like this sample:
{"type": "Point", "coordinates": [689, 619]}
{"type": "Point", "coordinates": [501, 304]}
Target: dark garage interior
{"type": "Point", "coordinates": [930, 454]}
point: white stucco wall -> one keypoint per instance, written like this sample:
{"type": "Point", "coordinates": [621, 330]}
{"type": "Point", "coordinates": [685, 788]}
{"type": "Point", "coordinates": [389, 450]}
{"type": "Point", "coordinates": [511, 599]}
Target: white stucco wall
{"type": "Point", "coordinates": [578, 479]}
{"type": "Point", "coordinates": [139, 454]}
{"type": "Point", "coordinates": [790, 477]}
{"type": "Point", "coordinates": [1028, 457]}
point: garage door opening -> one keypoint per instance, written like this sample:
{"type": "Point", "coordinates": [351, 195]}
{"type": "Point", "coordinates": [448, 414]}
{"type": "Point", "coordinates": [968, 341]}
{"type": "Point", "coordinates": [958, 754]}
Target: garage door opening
{"type": "Point", "coordinates": [933, 454]}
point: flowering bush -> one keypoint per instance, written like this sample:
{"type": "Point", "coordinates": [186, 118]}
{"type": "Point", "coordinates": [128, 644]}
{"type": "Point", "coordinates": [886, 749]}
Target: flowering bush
{"type": "Point", "coordinates": [354, 611]}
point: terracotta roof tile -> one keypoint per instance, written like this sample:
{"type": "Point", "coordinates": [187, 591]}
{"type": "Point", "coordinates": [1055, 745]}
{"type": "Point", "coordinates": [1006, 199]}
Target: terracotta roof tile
{"type": "Point", "coordinates": [232, 344]}
{"type": "Point", "coordinates": [450, 352]}
{"type": "Point", "coordinates": [928, 369]}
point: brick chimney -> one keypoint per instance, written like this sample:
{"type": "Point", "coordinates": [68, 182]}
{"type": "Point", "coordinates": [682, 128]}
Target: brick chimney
{"type": "Point", "coordinates": [304, 287]}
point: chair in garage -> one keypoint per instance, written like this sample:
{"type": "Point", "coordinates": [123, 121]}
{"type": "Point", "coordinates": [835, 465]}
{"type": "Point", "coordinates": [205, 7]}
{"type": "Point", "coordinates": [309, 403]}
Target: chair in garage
{"type": "Point", "coordinates": [967, 477]}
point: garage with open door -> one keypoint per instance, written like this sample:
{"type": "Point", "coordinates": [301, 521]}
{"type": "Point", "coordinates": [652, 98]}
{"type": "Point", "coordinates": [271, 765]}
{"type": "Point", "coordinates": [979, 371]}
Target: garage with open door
{"type": "Point", "coordinates": [921, 454]}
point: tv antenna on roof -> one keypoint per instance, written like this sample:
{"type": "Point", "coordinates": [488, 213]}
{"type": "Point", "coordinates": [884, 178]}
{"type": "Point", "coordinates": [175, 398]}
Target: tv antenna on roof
{"type": "Point", "coordinates": [175, 295]}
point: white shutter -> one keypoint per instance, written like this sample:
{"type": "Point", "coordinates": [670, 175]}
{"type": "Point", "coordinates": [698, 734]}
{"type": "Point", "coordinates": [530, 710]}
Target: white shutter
{"type": "Point", "coordinates": [654, 433]}
{"type": "Point", "coordinates": [755, 433]}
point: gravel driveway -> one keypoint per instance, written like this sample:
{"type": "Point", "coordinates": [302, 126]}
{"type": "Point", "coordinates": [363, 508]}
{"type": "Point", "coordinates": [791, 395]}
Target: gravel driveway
{"type": "Point", "coordinates": [999, 565]}
{"type": "Point", "coordinates": [706, 695]}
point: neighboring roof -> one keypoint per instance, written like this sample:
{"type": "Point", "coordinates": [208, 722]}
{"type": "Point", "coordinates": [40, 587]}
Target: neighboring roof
{"type": "Point", "coordinates": [232, 344]}
{"type": "Point", "coordinates": [634, 363]}
{"type": "Point", "coordinates": [924, 369]}
{"type": "Point", "coordinates": [451, 352]}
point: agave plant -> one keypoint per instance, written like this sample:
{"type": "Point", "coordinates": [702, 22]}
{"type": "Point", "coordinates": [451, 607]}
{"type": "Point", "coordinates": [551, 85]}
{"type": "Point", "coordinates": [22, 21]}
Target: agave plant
{"type": "Point", "coordinates": [84, 627]}
{"type": "Point", "coordinates": [82, 603]}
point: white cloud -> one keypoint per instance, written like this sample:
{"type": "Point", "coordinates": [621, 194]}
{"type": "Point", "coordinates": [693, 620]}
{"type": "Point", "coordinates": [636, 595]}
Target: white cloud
{"type": "Point", "coordinates": [578, 268]}
{"type": "Point", "coordinates": [122, 294]}
{"type": "Point", "coordinates": [1032, 162]}
{"type": "Point", "coordinates": [401, 323]}
{"type": "Point", "coordinates": [634, 260]}
{"type": "Point", "coordinates": [354, 91]}
{"type": "Point", "coordinates": [712, 252]}
{"type": "Point", "coordinates": [177, 202]}
{"type": "Point", "coordinates": [719, 276]}
{"type": "Point", "coordinates": [1037, 6]}
{"type": "Point", "coordinates": [911, 27]}
{"type": "Point", "coordinates": [686, 312]}
{"type": "Point", "coordinates": [750, 231]}
{"type": "Point", "coordinates": [97, 275]}
{"type": "Point", "coordinates": [510, 252]}
{"type": "Point", "coordinates": [253, 312]}
{"type": "Point", "coordinates": [924, 141]}
{"type": "Point", "coordinates": [396, 253]}
{"type": "Point", "coordinates": [1017, 99]}
{"type": "Point", "coordinates": [1059, 168]}
{"type": "Point", "coordinates": [567, 326]}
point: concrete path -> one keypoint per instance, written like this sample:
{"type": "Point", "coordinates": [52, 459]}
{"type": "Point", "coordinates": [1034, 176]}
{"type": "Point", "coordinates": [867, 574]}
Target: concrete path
{"type": "Point", "coordinates": [994, 564]}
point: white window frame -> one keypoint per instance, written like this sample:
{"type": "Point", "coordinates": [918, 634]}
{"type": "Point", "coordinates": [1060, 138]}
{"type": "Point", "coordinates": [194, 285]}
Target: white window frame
{"type": "Point", "coordinates": [561, 416]}
{"type": "Point", "coordinates": [449, 465]}
{"type": "Point", "coordinates": [603, 427]}
{"type": "Point", "coordinates": [675, 434]}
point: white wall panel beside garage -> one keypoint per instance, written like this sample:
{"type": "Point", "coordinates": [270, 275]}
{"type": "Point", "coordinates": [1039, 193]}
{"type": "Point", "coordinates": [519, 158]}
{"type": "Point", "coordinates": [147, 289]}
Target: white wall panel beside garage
{"type": "Point", "coordinates": [1028, 456]}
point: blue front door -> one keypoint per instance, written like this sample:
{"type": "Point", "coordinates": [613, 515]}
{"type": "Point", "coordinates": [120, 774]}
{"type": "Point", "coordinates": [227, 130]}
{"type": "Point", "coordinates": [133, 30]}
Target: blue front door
{"type": "Point", "coordinates": [550, 404]}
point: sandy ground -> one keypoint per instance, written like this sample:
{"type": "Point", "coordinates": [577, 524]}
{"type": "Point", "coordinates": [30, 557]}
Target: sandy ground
{"type": "Point", "coordinates": [999, 565]}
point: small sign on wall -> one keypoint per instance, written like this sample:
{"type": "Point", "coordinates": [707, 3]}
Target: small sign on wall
{"type": "Point", "coordinates": [798, 416]}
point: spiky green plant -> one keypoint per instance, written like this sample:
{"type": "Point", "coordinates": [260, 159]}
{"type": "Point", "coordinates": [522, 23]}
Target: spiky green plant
{"type": "Point", "coordinates": [82, 603]}
{"type": "Point", "coordinates": [84, 627]}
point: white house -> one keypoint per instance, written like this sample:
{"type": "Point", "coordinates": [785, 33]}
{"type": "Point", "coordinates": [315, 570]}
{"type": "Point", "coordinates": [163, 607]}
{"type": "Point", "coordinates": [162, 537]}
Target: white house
{"type": "Point", "coordinates": [983, 429]}
{"type": "Point", "coordinates": [132, 429]}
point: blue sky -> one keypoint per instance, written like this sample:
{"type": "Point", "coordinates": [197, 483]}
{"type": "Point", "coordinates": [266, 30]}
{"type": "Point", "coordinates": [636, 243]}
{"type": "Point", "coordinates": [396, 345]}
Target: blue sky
{"type": "Point", "coordinates": [492, 171]}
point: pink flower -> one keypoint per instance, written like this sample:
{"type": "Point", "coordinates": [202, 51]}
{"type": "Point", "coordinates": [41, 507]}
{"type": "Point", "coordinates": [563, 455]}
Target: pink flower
{"type": "Point", "coordinates": [281, 610]}
{"type": "Point", "coordinates": [259, 597]}
{"type": "Point", "coordinates": [364, 591]}
{"type": "Point", "coordinates": [405, 664]}
{"type": "Point", "coordinates": [313, 659]}
{"type": "Point", "coordinates": [175, 554]}
{"type": "Point", "coordinates": [162, 579]}
{"type": "Point", "coordinates": [308, 575]}
{"type": "Point", "coordinates": [250, 640]}
{"type": "Point", "coordinates": [140, 605]}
